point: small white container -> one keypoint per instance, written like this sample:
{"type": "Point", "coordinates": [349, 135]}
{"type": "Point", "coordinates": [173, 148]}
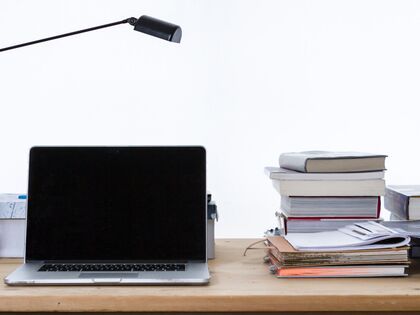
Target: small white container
{"type": "Point", "coordinates": [12, 225]}
{"type": "Point", "coordinates": [12, 238]}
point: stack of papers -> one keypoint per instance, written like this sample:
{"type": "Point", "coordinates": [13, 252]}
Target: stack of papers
{"type": "Point", "coordinates": [360, 250]}
{"type": "Point", "coordinates": [358, 236]}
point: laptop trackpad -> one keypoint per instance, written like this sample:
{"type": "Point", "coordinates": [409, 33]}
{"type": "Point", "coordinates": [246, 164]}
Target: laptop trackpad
{"type": "Point", "coordinates": [108, 275]}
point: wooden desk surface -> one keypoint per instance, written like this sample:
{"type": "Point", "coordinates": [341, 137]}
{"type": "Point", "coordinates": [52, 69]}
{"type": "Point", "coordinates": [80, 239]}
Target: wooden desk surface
{"type": "Point", "coordinates": [238, 284]}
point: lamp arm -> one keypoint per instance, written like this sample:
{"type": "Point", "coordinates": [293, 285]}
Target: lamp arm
{"type": "Point", "coordinates": [131, 21]}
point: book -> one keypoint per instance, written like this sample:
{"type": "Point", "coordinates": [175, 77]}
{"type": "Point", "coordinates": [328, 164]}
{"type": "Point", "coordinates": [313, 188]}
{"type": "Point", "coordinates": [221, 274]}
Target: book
{"type": "Point", "coordinates": [279, 173]}
{"type": "Point", "coordinates": [311, 224]}
{"type": "Point", "coordinates": [331, 207]}
{"type": "Point", "coordinates": [286, 261]}
{"type": "Point", "coordinates": [403, 201]}
{"type": "Point", "coordinates": [359, 236]}
{"type": "Point", "coordinates": [355, 271]}
{"type": "Point", "coordinates": [287, 255]}
{"type": "Point", "coordinates": [332, 162]}
{"type": "Point", "coordinates": [330, 188]}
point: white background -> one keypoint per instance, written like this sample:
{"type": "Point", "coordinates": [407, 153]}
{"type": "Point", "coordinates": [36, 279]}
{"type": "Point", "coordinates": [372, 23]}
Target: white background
{"type": "Point", "coordinates": [251, 79]}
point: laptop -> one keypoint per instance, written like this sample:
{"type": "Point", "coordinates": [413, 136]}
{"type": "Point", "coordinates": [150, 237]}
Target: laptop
{"type": "Point", "coordinates": [115, 216]}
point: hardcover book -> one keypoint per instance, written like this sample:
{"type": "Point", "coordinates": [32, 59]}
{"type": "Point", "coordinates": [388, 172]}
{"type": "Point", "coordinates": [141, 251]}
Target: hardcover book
{"type": "Point", "coordinates": [403, 201]}
{"type": "Point", "coordinates": [331, 207]}
{"type": "Point", "coordinates": [279, 173]}
{"type": "Point", "coordinates": [332, 162]}
{"type": "Point", "coordinates": [315, 224]}
{"type": "Point", "coordinates": [375, 187]}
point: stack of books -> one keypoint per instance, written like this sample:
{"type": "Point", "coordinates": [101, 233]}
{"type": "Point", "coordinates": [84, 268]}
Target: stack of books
{"type": "Point", "coordinates": [403, 201]}
{"type": "Point", "coordinates": [323, 191]}
{"type": "Point", "coordinates": [365, 249]}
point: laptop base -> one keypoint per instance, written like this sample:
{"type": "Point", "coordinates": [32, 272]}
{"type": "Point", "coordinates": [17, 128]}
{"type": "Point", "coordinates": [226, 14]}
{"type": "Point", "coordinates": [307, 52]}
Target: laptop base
{"type": "Point", "coordinates": [28, 274]}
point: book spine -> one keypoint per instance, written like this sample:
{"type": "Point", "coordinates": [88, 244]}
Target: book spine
{"type": "Point", "coordinates": [397, 203]}
{"type": "Point", "coordinates": [363, 188]}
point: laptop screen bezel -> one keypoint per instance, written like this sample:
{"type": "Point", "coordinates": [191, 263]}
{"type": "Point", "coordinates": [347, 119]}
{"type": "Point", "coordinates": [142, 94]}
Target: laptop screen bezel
{"type": "Point", "coordinates": [35, 149]}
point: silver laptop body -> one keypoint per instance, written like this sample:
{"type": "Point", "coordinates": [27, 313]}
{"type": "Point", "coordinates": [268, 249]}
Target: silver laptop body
{"type": "Point", "coordinates": [196, 273]}
{"type": "Point", "coordinates": [126, 232]}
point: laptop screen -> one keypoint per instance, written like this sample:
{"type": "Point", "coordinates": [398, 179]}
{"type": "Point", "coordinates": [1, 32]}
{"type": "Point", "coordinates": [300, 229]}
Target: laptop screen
{"type": "Point", "coordinates": [117, 204]}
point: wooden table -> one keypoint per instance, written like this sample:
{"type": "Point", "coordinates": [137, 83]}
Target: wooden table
{"type": "Point", "coordinates": [238, 284]}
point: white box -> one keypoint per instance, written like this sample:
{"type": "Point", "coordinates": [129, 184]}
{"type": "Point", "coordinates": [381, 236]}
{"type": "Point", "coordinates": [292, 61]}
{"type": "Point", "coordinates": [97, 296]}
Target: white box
{"type": "Point", "coordinates": [12, 225]}
{"type": "Point", "coordinates": [12, 238]}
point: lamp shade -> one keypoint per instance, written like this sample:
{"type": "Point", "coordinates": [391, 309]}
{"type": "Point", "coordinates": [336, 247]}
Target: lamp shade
{"type": "Point", "coordinates": [158, 28]}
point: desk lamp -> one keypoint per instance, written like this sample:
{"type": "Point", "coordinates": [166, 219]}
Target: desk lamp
{"type": "Point", "coordinates": [144, 24]}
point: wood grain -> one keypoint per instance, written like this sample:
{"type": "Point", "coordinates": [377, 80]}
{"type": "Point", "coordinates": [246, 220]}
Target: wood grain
{"type": "Point", "coordinates": [238, 284]}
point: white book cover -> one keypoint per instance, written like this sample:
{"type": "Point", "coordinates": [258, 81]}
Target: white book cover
{"type": "Point", "coordinates": [407, 190]}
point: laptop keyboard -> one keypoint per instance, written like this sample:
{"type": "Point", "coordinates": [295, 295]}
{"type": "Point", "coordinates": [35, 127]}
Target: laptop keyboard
{"type": "Point", "coordinates": [111, 267]}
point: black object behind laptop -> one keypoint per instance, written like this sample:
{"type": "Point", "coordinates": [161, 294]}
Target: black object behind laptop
{"type": "Point", "coordinates": [115, 215]}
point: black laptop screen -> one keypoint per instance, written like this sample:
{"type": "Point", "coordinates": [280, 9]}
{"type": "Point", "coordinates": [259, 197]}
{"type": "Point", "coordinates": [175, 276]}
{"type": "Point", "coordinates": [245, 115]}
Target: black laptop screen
{"type": "Point", "coordinates": [120, 203]}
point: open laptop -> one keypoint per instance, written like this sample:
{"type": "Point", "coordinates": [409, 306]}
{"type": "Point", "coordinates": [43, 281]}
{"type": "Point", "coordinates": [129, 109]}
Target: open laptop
{"type": "Point", "coordinates": [115, 216]}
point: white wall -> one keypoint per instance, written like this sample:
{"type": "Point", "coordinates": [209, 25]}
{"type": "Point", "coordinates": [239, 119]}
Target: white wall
{"type": "Point", "coordinates": [251, 79]}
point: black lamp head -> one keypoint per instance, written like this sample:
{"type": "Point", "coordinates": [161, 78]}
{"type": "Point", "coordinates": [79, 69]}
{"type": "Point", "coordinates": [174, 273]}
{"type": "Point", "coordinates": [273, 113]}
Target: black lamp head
{"type": "Point", "coordinates": [158, 28]}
